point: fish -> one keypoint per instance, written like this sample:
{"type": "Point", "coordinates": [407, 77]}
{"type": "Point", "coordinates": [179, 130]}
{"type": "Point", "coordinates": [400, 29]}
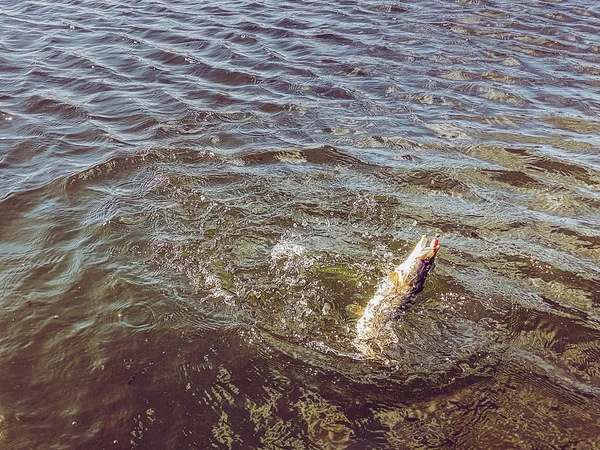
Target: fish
{"type": "Point", "coordinates": [394, 296]}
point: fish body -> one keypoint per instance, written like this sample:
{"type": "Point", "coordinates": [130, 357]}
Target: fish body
{"type": "Point", "coordinates": [394, 296]}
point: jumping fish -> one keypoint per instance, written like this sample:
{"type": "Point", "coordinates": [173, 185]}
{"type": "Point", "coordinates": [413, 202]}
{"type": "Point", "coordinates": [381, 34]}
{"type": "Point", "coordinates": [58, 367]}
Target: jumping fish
{"type": "Point", "coordinates": [394, 296]}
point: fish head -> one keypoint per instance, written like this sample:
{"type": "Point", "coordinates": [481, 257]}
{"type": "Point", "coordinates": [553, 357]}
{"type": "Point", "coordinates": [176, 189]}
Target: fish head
{"type": "Point", "coordinates": [419, 262]}
{"type": "Point", "coordinates": [426, 249]}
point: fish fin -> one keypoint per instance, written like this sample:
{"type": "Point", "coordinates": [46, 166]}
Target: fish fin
{"type": "Point", "coordinates": [397, 280]}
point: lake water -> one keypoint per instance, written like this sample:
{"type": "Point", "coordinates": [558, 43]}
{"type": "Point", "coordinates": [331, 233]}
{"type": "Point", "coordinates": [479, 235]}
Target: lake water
{"type": "Point", "coordinates": [195, 196]}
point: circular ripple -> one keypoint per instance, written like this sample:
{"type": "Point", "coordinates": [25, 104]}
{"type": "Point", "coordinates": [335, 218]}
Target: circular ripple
{"type": "Point", "coordinates": [137, 315]}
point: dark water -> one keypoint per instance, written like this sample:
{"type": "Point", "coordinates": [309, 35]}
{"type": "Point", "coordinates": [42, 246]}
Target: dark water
{"type": "Point", "coordinates": [194, 194]}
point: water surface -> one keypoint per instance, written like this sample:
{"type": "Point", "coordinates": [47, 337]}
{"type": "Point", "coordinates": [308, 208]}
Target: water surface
{"type": "Point", "coordinates": [195, 196]}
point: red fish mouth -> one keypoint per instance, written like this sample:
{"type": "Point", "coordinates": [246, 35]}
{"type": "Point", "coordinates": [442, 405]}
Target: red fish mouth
{"type": "Point", "coordinates": [435, 243]}
{"type": "Point", "coordinates": [429, 251]}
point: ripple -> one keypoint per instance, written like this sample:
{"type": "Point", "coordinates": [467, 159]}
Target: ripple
{"type": "Point", "coordinates": [40, 105]}
{"type": "Point", "coordinates": [139, 316]}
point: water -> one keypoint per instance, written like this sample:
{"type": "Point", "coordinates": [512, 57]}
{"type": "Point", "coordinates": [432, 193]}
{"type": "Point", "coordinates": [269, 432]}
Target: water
{"type": "Point", "coordinates": [195, 196]}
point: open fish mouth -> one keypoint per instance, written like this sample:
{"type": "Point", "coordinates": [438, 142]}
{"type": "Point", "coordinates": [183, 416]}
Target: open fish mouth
{"type": "Point", "coordinates": [414, 270]}
{"type": "Point", "coordinates": [425, 249]}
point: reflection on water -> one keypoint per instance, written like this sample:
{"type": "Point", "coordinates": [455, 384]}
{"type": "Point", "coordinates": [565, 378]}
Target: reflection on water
{"type": "Point", "coordinates": [195, 199]}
